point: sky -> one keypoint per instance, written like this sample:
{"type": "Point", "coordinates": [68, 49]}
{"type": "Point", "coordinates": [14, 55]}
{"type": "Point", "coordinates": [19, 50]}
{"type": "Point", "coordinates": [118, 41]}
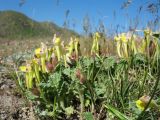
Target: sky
{"type": "Point", "coordinates": [109, 12]}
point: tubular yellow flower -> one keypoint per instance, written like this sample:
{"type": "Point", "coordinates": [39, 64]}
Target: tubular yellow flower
{"type": "Point", "coordinates": [29, 81]}
{"type": "Point", "coordinates": [125, 50]}
{"type": "Point", "coordinates": [72, 52]}
{"type": "Point", "coordinates": [123, 37]}
{"type": "Point", "coordinates": [140, 105]}
{"type": "Point", "coordinates": [144, 100]}
{"type": "Point", "coordinates": [97, 35]}
{"type": "Point", "coordinates": [43, 57]}
{"type": "Point", "coordinates": [125, 45]}
{"type": "Point", "coordinates": [147, 32]}
{"type": "Point", "coordinates": [58, 48]}
{"type": "Point", "coordinates": [76, 46]}
{"type": "Point", "coordinates": [133, 44]}
{"type": "Point", "coordinates": [57, 41]}
{"type": "Point", "coordinates": [119, 49]}
{"type": "Point", "coordinates": [67, 60]}
{"type": "Point", "coordinates": [93, 48]}
{"type": "Point", "coordinates": [29, 75]}
{"type": "Point", "coordinates": [122, 43]}
{"type": "Point", "coordinates": [70, 48]}
{"type": "Point", "coordinates": [119, 45]}
{"type": "Point", "coordinates": [43, 64]}
{"type": "Point", "coordinates": [23, 68]}
{"type": "Point", "coordinates": [117, 38]}
{"type": "Point", "coordinates": [95, 45]}
{"type": "Point", "coordinates": [36, 69]}
{"type": "Point", "coordinates": [38, 52]}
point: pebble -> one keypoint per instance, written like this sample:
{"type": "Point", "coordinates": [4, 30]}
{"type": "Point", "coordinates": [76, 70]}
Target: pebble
{"type": "Point", "coordinates": [3, 117]}
{"type": "Point", "coordinates": [12, 86]}
{"type": "Point", "coordinates": [4, 86]}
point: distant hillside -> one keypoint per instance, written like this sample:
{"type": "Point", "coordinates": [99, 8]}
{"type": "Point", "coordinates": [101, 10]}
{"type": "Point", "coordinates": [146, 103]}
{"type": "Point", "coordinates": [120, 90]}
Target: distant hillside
{"type": "Point", "coordinates": [15, 25]}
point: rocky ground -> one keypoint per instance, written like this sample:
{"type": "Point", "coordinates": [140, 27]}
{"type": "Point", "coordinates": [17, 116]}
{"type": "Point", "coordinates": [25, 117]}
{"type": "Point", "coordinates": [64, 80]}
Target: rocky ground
{"type": "Point", "coordinates": [13, 105]}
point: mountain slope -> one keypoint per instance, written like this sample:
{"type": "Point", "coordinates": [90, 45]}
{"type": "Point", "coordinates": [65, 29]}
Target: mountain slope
{"type": "Point", "coordinates": [15, 25]}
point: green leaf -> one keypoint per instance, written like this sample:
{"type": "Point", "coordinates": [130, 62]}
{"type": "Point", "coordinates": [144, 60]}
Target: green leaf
{"type": "Point", "coordinates": [157, 35]}
{"type": "Point", "coordinates": [109, 62]}
{"type": "Point", "coordinates": [121, 65]}
{"type": "Point", "coordinates": [69, 110]}
{"type": "Point", "coordinates": [88, 116]}
{"type": "Point", "coordinates": [67, 72]}
{"type": "Point", "coordinates": [87, 103]}
{"type": "Point", "coordinates": [55, 79]}
{"type": "Point", "coordinates": [118, 114]}
{"type": "Point", "coordinates": [139, 59]}
{"type": "Point", "coordinates": [100, 88]}
{"type": "Point", "coordinates": [30, 95]}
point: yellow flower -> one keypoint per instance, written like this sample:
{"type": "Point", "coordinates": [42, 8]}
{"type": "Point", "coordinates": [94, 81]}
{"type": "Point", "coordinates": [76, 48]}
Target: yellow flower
{"type": "Point", "coordinates": [97, 35]}
{"type": "Point", "coordinates": [25, 68]}
{"type": "Point", "coordinates": [77, 47]}
{"type": "Point", "coordinates": [29, 75]}
{"type": "Point", "coordinates": [36, 68]}
{"type": "Point", "coordinates": [143, 101]}
{"type": "Point", "coordinates": [70, 48]}
{"type": "Point", "coordinates": [95, 46]}
{"type": "Point", "coordinates": [147, 32]}
{"type": "Point", "coordinates": [35, 61]}
{"type": "Point", "coordinates": [38, 52]}
{"type": "Point", "coordinates": [57, 41]}
{"type": "Point", "coordinates": [123, 37]}
{"type": "Point", "coordinates": [117, 38]}
{"type": "Point", "coordinates": [58, 48]}
{"type": "Point", "coordinates": [141, 105]}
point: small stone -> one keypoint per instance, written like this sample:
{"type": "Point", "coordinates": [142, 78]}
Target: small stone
{"type": "Point", "coordinates": [23, 114]}
{"type": "Point", "coordinates": [8, 93]}
{"type": "Point", "coordinates": [2, 112]}
{"type": "Point", "coordinates": [4, 87]}
{"type": "Point", "coordinates": [3, 117]}
{"type": "Point", "coordinates": [12, 86]}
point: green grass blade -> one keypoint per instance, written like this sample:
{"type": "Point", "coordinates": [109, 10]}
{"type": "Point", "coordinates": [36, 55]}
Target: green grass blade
{"type": "Point", "coordinates": [118, 114]}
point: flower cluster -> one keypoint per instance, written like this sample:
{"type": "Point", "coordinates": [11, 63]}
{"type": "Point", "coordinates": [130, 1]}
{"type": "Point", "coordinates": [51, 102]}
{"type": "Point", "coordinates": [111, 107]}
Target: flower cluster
{"type": "Point", "coordinates": [46, 59]}
{"type": "Point", "coordinates": [127, 44]}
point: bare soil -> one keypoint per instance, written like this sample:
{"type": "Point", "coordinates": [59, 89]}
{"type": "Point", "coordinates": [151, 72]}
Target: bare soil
{"type": "Point", "coordinates": [13, 105]}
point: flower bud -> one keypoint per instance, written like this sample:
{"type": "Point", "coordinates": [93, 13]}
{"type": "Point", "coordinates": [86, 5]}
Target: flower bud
{"type": "Point", "coordinates": [80, 76]}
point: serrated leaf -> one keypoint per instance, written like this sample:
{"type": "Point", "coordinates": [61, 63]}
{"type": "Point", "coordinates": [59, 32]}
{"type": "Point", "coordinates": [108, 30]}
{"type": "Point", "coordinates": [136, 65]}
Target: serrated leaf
{"type": "Point", "coordinates": [120, 66]}
{"type": "Point", "coordinates": [30, 95]}
{"type": "Point", "coordinates": [109, 62]}
{"type": "Point", "coordinates": [69, 110]}
{"type": "Point", "coordinates": [67, 71]}
{"type": "Point", "coordinates": [55, 79]}
{"type": "Point", "coordinates": [140, 57]}
{"type": "Point", "coordinates": [88, 116]}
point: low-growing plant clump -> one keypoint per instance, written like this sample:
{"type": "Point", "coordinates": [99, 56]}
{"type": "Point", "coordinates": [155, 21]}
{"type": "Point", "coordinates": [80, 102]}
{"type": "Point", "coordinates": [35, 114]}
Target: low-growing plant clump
{"type": "Point", "coordinates": [63, 84]}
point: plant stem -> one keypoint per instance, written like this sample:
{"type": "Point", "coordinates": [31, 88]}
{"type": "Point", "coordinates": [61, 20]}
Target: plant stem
{"type": "Point", "coordinates": [140, 117]}
{"type": "Point", "coordinates": [81, 96]}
